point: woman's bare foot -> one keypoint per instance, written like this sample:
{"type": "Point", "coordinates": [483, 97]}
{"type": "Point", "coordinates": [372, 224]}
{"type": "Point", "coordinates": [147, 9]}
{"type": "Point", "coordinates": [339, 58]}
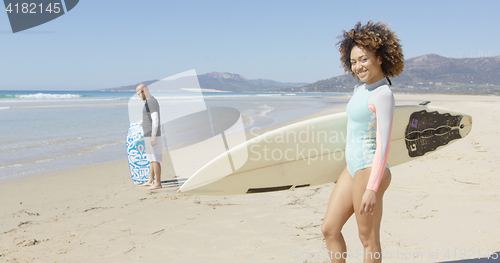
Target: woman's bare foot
{"type": "Point", "coordinates": [146, 184]}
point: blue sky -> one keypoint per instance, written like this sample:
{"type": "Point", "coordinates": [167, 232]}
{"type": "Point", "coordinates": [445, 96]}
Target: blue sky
{"type": "Point", "coordinates": [105, 44]}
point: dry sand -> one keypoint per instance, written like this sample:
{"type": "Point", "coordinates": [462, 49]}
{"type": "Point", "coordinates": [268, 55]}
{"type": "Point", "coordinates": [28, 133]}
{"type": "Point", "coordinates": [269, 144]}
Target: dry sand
{"type": "Point", "coordinates": [444, 206]}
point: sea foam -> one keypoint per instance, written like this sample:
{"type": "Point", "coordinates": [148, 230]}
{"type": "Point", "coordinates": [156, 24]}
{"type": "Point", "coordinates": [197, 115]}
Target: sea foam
{"type": "Point", "coordinates": [39, 96]}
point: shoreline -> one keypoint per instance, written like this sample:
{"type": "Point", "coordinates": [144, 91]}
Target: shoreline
{"type": "Point", "coordinates": [248, 135]}
{"type": "Point", "coordinates": [401, 99]}
{"type": "Point", "coordinates": [95, 213]}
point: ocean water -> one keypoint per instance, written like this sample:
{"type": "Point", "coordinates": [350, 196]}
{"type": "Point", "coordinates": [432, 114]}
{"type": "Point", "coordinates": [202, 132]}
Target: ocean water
{"type": "Point", "coordinates": [44, 131]}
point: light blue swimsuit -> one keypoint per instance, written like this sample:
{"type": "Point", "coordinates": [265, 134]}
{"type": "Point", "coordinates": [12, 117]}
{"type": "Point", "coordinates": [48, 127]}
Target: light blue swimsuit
{"type": "Point", "coordinates": [369, 126]}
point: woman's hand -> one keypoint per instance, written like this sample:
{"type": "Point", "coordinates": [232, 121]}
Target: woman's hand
{"type": "Point", "coordinates": [368, 202]}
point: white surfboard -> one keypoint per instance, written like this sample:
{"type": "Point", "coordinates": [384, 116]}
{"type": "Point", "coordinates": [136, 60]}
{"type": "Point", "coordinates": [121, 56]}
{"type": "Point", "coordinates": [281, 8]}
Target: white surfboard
{"type": "Point", "coordinates": [312, 152]}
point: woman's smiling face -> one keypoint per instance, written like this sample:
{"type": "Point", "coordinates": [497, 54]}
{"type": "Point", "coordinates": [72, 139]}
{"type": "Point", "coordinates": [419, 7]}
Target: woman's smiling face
{"type": "Point", "coordinates": [366, 65]}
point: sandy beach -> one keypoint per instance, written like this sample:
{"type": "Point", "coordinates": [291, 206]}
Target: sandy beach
{"type": "Point", "coordinates": [441, 207]}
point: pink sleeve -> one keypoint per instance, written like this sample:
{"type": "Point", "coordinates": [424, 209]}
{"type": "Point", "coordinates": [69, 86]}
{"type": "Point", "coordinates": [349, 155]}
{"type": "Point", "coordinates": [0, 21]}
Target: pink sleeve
{"type": "Point", "coordinates": [381, 102]}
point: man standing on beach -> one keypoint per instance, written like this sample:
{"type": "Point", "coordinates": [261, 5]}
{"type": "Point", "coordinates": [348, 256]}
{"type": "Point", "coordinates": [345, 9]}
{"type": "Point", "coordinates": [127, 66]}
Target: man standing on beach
{"type": "Point", "coordinates": [152, 136]}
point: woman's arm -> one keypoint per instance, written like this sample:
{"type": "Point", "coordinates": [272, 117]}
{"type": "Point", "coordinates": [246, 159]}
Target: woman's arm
{"type": "Point", "coordinates": [381, 102]}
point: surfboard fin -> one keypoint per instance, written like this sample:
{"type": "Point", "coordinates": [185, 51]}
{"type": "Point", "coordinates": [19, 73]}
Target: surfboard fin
{"type": "Point", "coordinates": [424, 102]}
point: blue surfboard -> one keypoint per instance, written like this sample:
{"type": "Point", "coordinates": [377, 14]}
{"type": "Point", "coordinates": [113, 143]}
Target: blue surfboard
{"type": "Point", "coordinates": [136, 154]}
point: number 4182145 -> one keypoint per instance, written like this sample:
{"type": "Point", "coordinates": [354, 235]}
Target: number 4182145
{"type": "Point", "coordinates": [32, 8]}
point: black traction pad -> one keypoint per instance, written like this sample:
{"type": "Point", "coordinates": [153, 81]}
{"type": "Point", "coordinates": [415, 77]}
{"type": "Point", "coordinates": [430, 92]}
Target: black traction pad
{"type": "Point", "coordinates": [426, 131]}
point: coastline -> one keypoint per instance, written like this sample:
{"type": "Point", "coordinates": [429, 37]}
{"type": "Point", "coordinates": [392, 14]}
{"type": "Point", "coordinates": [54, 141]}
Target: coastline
{"type": "Point", "coordinates": [97, 121]}
{"type": "Point", "coordinates": [94, 213]}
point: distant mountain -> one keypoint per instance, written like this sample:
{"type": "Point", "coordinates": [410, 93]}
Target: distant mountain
{"type": "Point", "coordinates": [430, 73]}
{"type": "Point", "coordinates": [228, 82]}
{"type": "Point", "coordinates": [130, 87]}
{"type": "Point", "coordinates": [434, 70]}
{"type": "Point", "coordinates": [427, 73]}
{"type": "Point", "coordinates": [343, 83]}
{"type": "Point", "coordinates": [277, 84]}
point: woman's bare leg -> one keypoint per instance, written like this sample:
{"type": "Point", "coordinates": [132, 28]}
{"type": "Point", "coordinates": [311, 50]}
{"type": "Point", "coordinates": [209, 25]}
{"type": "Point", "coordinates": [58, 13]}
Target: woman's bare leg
{"type": "Point", "coordinates": [368, 224]}
{"type": "Point", "coordinates": [339, 210]}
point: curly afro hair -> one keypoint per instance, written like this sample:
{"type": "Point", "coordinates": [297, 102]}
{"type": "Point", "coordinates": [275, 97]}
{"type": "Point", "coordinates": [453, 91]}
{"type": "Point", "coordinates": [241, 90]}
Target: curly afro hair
{"type": "Point", "coordinates": [377, 38]}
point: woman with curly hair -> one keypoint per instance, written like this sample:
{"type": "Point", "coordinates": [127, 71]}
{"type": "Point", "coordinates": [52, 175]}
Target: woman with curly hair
{"type": "Point", "coordinates": [372, 53]}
